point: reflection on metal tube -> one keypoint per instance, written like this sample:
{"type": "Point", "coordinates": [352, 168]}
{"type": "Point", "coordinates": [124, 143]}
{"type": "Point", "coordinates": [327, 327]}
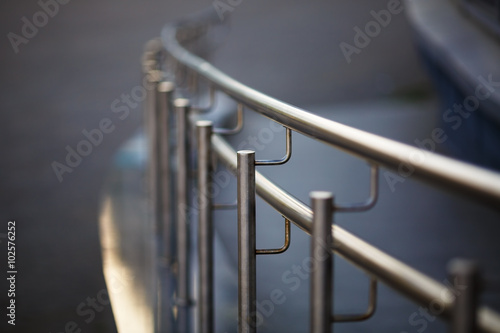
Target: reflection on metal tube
{"type": "Point", "coordinates": [322, 263]}
{"type": "Point", "coordinates": [205, 229]}
{"type": "Point", "coordinates": [165, 106]}
{"type": "Point", "coordinates": [164, 216]}
{"type": "Point", "coordinates": [246, 242]}
{"type": "Point", "coordinates": [464, 275]}
{"type": "Point", "coordinates": [392, 272]}
{"type": "Point", "coordinates": [183, 281]}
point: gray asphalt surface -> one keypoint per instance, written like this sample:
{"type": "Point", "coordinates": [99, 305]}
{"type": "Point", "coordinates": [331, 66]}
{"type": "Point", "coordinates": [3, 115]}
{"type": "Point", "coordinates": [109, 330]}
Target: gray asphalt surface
{"type": "Point", "coordinates": [65, 78]}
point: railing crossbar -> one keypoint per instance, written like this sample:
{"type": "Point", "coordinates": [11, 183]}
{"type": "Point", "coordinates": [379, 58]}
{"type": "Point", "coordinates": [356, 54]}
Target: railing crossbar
{"type": "Point", "coordinates": [474, 182]}
{"type": "Point", "coordinates": [392, 272]}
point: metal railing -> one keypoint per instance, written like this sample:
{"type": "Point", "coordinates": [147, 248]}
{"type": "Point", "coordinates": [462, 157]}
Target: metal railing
{"type": "Point", "coordinates": [174, 74]}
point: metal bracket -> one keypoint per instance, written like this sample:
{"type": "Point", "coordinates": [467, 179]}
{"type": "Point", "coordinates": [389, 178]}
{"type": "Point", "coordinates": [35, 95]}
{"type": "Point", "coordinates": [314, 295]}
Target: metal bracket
{"type": "Point", "coordinates": [284, 247]}
{"type": "Point", "coordinates": [288, 153]}
{"type": "Point", "coordinates": [371, 201]}
{"type": "Point", "coordinates": [237, 128]}
{"type": "Point", "coordinates": [372, 304]}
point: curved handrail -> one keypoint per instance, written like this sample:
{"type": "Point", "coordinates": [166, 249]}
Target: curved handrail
{"type": "Point", "coordinates": [473, 181]}
{"type": "Point", "coordinates": [469, 180]}
{"type": "Point", "coordinates": [403, 278]}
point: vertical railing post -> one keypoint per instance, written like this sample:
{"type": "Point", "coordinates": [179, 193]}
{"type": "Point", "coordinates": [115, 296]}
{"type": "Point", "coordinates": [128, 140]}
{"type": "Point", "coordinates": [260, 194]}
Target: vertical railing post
{"type": "Point", "coordinates": [205, 229]}
{"type": "Point", "coordinates": [464, 275]}
{"type": "Point", "coordinates": [322, 261]}
{"type": "Point", "coordinates": [164, 186]}
{"type": "Point", "coordinates": [183, 301]}
{"type": "Point", "coordinates": [246, 241]}
{"type": "Point", "coordinates": [164, 216]}
{"type": "Point", "coordinates": [151, 133]}
{"type": "Point", "coordinates": [151, 136]}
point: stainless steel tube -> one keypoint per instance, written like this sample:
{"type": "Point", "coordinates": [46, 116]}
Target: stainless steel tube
{"type": "Point", "coordinates": [205, 229]}
{"type": "Point", "coordinates": [151, 131]}
{"type": "Point", "coordinates": [164, 201]}
{"type": "Point", "coordinates": [392, 272]}
{"type": "Point", "coordinates": [164, 214]}
{"type": "Point", "coordinates": [322, 263]}
{"type": "Point", "coordinates": [183, 279]}
{"type": "Point", "coordinates": [474, 182]}
{"type": "Point", "coordinates": [246, 242]}
{"type": "Point", "coordinates": [464, 275]}
{"type": "Point", "coordinates": [152, 113]}
{"type": "Point", "coordinates": [150, 119]}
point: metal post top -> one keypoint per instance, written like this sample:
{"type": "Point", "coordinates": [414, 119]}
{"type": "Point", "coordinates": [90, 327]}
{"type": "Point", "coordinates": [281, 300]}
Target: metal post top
{"type": "Point", "coordinates": [246, 152]}
{"type": "Point", "coordinates": [204, 123]}
{"type": "Point", "coordinates": [166, 86]}
{"type": "Point", "coordinates": [154, 75]}
{"type": "Point", "coordinates": [460, 266]}
{"type": "Point", "coordinates": [181, 102]}
{"type": "Point", "coordinates": [321, 195]}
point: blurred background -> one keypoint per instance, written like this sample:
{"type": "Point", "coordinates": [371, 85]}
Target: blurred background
{"type": "Point", "coordinates": [64, 79]}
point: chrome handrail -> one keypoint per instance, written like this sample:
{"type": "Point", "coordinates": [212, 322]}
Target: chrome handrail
{"type": "Point", "coordinates": [447, 173]}
{"type": "Point", "coordinates": [394, 273]}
